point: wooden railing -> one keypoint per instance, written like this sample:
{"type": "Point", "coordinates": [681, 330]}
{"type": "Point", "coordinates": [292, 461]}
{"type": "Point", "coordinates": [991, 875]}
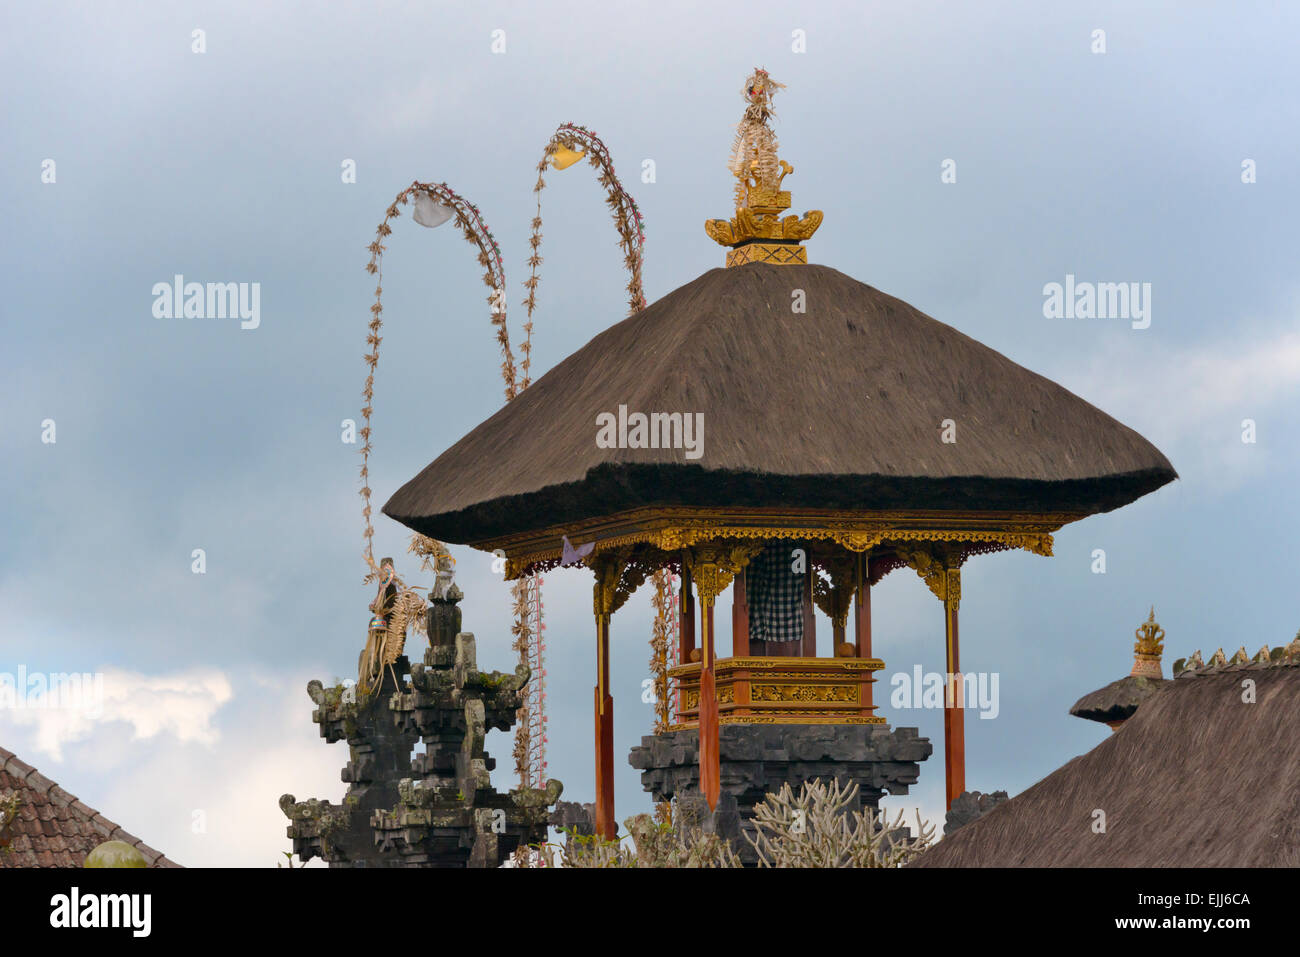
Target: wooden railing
{"type": "Point", "coordinates": [756, 690]}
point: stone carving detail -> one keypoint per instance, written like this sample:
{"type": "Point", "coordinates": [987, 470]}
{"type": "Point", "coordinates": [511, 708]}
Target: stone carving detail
{"type": "Point", "coordinates": [758, 758]}
{"type": "Point", "coordinates": [970, 806]}
{"type": "Point", "coordinates": [440, 809]}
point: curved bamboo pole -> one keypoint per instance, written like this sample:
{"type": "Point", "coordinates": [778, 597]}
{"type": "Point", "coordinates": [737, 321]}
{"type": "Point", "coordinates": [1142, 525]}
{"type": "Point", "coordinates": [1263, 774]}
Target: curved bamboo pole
{"type": "Point", "coordinates": [631, 230]}
{"type": "Point", "coordinates": [627, 217]}
{"type": "Point", "coordinates": [395, 599]}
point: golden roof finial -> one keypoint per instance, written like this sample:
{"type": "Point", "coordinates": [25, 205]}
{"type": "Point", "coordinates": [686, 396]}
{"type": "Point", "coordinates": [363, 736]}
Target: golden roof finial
{"type": "Point", "coordinates": [1149, 648]}
{"type": "Point", "coordinates": [757, 233]}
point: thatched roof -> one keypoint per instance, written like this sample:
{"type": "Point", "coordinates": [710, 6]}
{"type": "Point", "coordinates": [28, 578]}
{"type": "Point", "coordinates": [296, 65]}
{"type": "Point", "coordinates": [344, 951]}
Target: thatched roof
{"type": "Point", "coordinates": [1118, 700]}
{"type": "Point", "coordinates": [1195, 778]}
{"type": "Point", "coordinates": [52, 827]}
{"type": "Point", "coordinates": [839, 408]}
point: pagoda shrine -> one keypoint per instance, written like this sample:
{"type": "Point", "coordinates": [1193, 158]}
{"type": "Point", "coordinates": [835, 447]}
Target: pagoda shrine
{"type": "Point", "coordinates": [838, 434]}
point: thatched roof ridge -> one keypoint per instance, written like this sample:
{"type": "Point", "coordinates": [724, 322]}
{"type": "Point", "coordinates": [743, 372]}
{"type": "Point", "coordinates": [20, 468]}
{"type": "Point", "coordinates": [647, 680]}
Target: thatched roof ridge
{"type": "Point", "coordinates": [838, 407]}
{"type": "Point", "coordinates": [1197, 777]}
{"type": "Point", "coordinates": [1194, 667]}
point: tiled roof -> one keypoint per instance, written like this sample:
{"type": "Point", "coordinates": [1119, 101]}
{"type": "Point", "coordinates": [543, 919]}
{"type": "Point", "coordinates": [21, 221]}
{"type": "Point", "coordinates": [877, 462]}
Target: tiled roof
{"type": "Point", "coordinates": [53, 828]}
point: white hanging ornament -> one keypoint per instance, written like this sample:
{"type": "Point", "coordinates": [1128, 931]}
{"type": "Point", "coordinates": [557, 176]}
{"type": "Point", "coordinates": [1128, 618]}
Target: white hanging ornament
{"type": "Point", "coordinates": [429, 212]}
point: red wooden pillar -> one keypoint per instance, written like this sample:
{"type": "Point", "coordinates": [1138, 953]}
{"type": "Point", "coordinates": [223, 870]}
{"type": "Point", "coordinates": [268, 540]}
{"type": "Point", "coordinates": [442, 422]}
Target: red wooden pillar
{"type": "Point", "coordinates": [686, 618]}
{"type": "Point", "coordinates": [862, 621]}
{"type": "Point", "coordinates": [605, 823]}
{"type": "Point", "coordinates": [809, 617]}
{"type": "Point", "coordinates": [954, 715]}
{"type": "Point", "coordinates": [862, 626]}
{"type": "Point", "coordinates": [710, 757]}
{"type": "Point", "coordinates": [739, 617]}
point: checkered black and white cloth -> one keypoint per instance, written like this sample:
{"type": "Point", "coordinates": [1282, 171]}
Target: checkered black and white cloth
{"type": "Point", "coordinates": [775, 594]}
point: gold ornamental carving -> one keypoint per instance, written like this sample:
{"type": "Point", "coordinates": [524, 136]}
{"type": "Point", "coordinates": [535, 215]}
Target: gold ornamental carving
{"type": "Point", "coordinates": [608, 568]}
{"type": "Point", "coordinates": [809, 667]}
{"type": "Point", "coordinates": [668, 530]}
{"type": "Point", "coordinates": [819, 693]}
{"type": "Point", "coordinates": [617, 578]}
{"type": "Point", "coordinates": [758, 232]}
{"type": "Point", "coordinates": [774, 254]}
{"type": "Point", "coordinates": [1150, 637]}
{"type": "Point", "coordinates": [713, 566]}
{"type": "Point", "coordinates": [1149, 648]}
{"type": "Point", "coordinates": [835, 597]}
{"type": "Point", "coordinates": [785, 717]}
{"type": "Point", "coordinates": [939, 568]}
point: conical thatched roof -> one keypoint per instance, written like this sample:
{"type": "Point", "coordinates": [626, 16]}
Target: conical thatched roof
{"type": "Point", "coordinates": [838, 407]}
{"type": "Point", "coordinates": [1196, 777]}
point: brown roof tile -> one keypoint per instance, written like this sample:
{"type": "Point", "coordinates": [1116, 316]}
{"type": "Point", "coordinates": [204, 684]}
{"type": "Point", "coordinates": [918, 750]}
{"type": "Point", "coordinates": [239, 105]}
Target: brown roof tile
{"type": "Point", "coordinates": [53, 828]}
{"type": "Point", "coordinates": [19, 769]}
{"type": "Point", "coordinates": [149, 853]}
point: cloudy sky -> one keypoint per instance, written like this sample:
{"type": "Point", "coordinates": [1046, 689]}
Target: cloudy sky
{"type": "Point", "coordinates": [179, 434]}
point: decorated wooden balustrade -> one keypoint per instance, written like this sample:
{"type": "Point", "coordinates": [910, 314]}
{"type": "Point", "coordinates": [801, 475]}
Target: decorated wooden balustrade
{"type": "Point", "coordinates": [754, 690]}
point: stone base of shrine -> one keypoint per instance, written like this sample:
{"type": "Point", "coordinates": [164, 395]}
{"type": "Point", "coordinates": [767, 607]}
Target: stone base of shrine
{"type": "Point", "coordinates": [758, 759]}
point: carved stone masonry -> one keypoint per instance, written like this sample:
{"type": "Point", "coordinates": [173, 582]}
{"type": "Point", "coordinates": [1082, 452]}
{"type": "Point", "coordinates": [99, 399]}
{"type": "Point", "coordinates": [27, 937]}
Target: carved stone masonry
{"type": "Point", "coordinates": [758, 759]}
{"type": "Point", "coordinates": [440, 809]}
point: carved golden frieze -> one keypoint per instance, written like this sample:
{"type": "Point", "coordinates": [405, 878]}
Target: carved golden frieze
{"type": "Point", "coordinates": [829, 667]}
{"type": "Point", "coordinates": [666, 531]}
{"type": "Point", "coordinates": [774, 254]}
{"type": "Point", "coordinates": [821, 675]}
{"type": "Point", "coordinates": [823, 693]}
{"type": "Point", "coordinates": [784, 717]}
